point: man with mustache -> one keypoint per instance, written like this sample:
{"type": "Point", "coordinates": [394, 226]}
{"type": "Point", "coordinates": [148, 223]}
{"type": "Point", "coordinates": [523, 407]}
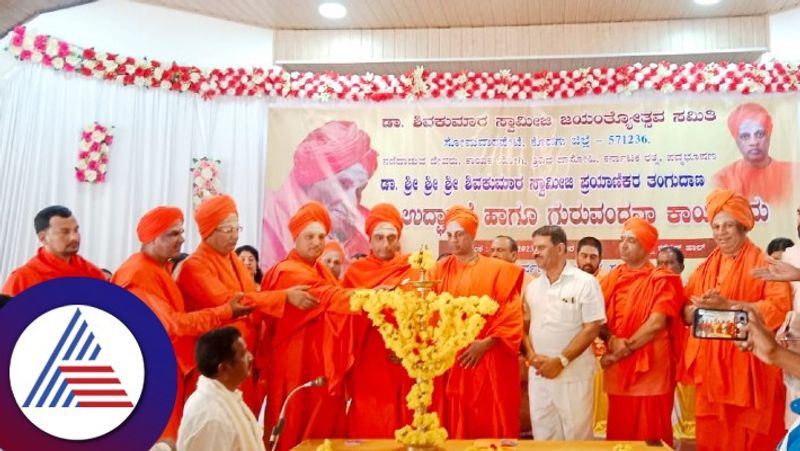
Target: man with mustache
{"type": "Point", "coordinates": [567, 311]}
{"type": "Point", "coordinates": [57, 230]}
{"type": "Point", "coordinates": [589, 255]}
{"type": "Point", "coordinates": [147, 275]}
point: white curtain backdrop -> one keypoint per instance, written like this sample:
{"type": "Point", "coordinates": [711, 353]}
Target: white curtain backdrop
{"type": "Point", "coordinates": [157, 133]}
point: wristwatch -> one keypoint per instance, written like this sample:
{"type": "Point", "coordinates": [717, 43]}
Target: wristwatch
{"type": "Point", "coordinates": [564, 360]}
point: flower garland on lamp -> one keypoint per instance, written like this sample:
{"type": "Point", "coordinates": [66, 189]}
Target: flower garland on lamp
{"type": "Point", "coordinates": [96, 140]}
{"type": "Point", "coordinates": [275, 82]}
{"type": "Point", "coordinates": [425, 330]}
{"type": "Point", "coordinates": [205, 179]}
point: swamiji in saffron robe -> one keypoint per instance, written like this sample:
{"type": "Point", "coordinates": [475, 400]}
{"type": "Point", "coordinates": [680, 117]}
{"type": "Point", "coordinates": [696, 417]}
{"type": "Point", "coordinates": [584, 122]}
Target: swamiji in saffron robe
{"type": "Point", "coordinates": [147, 275]}
{"type": "Point", "coordinates": [378, 384]}
{"type": "Point", "coordinates": [640, 387]}
{"type": "Point", "coordinates": [736, 392]}
{"type": "Point", "coordinates": [209, 279]}
{"type": "Point", "coordinates": [484, 401]}
{"type": "Point", "coordinates": [306, 344]}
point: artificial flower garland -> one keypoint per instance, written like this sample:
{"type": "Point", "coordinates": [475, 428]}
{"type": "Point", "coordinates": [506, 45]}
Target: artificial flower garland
{"type": "Point", "coordinates": [96, 140]}
{"type": "Point", "coordinates": [425, 332]}
{"type": "Point", "coordinates": [275, 82]}
{"type": "Point", "coordinates": [205, 179]}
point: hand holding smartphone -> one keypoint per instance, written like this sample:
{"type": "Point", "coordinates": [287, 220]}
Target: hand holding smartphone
{"type": "Point", "coordinates": [720, 324]}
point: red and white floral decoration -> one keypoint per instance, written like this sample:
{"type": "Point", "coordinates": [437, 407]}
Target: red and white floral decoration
{"type": "Point", "coordinates": [205, 179]}
{"type": "Point", "coordinates": [664, 77]}
{"type": "Point", "coordinates": [96, 140]}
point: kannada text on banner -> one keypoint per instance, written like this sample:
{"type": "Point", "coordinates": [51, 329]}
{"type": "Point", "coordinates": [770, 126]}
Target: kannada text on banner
{"type": "Point", "coordinates": [586, 167]}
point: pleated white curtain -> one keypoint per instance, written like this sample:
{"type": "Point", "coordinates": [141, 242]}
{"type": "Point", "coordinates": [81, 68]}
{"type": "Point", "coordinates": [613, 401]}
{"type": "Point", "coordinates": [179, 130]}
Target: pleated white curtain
{"type": "Point", "coordinates": [156, 135]}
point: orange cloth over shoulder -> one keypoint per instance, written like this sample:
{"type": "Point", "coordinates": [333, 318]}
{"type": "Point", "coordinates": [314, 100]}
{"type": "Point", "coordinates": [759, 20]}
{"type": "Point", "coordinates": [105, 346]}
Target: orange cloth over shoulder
{"type": "Point", "coordinates": [46, 266]}
{"type": "Point", "coordinates": [736, 392]}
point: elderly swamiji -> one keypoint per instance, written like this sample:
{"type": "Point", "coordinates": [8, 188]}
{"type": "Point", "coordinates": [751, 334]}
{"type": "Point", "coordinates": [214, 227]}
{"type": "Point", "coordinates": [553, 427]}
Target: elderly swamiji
{"type": "Point", "coordinates": [756, 173]}
{"type": "Point", "coordinates": [332, 165]}
{"type": "Point", "coordinates": [214, 274]}
{"type": "Point", "coordinates": [739, 401]}
{"type": "Point", "coordinates": [147, 275]}
{"type": "Point", "coordinates": [306, 344]}
{"type": "Point", "coordinates": [333, 257]}
{"type": "Point", "coordinates": [57, 230]}
{"type": "Point", "coordinates": [483, 390]}
{"type": "Point", "coordinates": [643, 306]}
{"type": "Point", "coordinates": [378, 384]}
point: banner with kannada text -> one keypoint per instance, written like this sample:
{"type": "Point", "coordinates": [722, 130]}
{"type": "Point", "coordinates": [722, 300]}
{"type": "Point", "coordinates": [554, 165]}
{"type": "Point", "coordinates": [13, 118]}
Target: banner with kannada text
{"type": "Point", "coordinates": [586, 166]}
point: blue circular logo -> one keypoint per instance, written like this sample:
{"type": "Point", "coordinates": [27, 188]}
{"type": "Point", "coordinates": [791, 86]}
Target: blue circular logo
{"type": "Point", "coordinates": [90, 367]}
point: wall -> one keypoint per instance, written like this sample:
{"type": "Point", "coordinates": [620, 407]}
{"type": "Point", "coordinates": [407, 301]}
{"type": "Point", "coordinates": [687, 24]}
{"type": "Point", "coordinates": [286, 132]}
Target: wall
{"type": "Point", "coordinates": [784, 35]}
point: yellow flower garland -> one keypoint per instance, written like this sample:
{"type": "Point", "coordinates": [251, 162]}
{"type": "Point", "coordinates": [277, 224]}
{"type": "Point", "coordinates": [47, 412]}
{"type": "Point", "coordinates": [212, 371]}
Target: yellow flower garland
{"type": "Point", "coordinates": [429, 331]}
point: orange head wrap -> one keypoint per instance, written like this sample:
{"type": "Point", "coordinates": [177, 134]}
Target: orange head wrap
{"type": "Point", "coordinates": [308, 213]}
{"type": "Point", "coordinates": [329, 149]}
{"type": "Point", "coordinates": [334, 246]}
{"type": "Point", "coordinates": [157, 221]}
{"type": "Point", "coordinates": [643, 231]}
{"type": "Point", "coordinates": [725, 200]}
{"type": "Point", "coordinates": [212, 211]}
{"type": "Point", "coordinates": [752, 111]}
{"type": "Point", "coordinates": [383, 213]}
{"type": "Point", "coordinates": [465, 217]}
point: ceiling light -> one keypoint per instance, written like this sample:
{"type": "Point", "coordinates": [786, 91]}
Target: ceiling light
{"type": "Point", "coordinates": [706, 2]}
{"type": "Point", "coordinates": [332, 10]}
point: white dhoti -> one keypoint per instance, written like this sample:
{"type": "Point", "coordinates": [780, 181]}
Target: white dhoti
{"type": "Point", "coordinates": [561, 409]}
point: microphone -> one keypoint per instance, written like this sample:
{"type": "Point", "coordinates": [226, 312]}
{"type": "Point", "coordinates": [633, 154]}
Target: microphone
{"type": "Point", "coordinates": [278, 428]}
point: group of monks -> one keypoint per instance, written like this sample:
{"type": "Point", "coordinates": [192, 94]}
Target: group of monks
{"type": "Point", "coordinates": [299, 325]}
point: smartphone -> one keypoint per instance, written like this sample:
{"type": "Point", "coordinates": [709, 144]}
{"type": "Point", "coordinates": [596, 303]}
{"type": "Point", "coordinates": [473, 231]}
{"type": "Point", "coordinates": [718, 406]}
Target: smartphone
{"type": "Point", "coordinates": [720, 324]}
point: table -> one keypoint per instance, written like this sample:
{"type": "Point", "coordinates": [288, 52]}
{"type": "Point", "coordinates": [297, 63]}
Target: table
{"type": "Point", "coordinates": [459, 445]}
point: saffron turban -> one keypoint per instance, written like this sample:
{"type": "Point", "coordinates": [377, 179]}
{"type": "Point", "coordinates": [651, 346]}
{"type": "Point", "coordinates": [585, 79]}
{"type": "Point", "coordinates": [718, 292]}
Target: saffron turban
{"type": "Point", "coordinates": [751, 111]}
{"type": "Point", "coordinates": [735, 204]}
{"type": "Point", "coordinates": [465, 217]}
{"type": "Point", "coordinates": [383, 213]}
{"type": "Point", "coordinates": [212, 211]}
{"type": "Point", "coordinates": [329, 149]}
{"type": "Point", "coordinates": [334, 246]}
{"type": "Point", "coordinates": [308, 213]}
{"type": "Point", "coordinates": [645, 233]}
{"type": "Point", "coordinates": [156, 221]}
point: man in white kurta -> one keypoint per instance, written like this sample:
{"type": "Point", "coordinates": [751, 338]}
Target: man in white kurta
{"type": "Point", "coordinates": [567, 310]}
{"type": "Point", "coordinates": [215, 418]}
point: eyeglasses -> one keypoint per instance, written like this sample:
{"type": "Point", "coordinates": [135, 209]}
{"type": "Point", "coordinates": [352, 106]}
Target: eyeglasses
{"type": "Point", "coordinates": [229, 229]}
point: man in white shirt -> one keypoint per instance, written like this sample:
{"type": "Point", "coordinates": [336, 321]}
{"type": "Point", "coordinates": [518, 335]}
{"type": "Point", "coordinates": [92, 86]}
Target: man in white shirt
{"type": "Point", "coordinates": [567, 310]}
{"type": "Point", "coordinates": [215, 417]}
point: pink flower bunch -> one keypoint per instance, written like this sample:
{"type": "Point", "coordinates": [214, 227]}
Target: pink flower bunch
{"type": "Point", "coordinates": [205, 179]}
{"type": "Point", "coordinates": [93, 153]}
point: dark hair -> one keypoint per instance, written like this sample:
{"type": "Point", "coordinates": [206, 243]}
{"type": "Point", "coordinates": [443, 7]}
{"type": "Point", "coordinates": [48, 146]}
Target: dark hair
{"type": "Point", "coordinates": [674, 250]}
{"type": "Point", "coordinates": [590, 241]}
{"type": "Point", "coordinates": [512, 242]}
{"type": "Point", "coordinates": [41, 221]}
{"type": "Point", "coordinates": [215, 347]}
{"type": "Point", "coordinates": [4, 299]}
{"type": "Point", "coordinates": [252, 250]}
{"type": "Point", "coordinates": [556, 234]}
{"type": "Point", "coordinates": [779, 244]}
